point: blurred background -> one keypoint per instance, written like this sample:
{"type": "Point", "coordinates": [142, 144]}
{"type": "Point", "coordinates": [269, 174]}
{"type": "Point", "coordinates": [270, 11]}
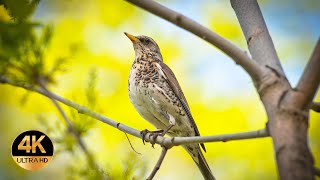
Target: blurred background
{"type": "Point", "coordinates": [86, 41]}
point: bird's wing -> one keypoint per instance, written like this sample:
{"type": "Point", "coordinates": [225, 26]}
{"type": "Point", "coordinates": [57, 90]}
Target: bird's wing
{"type": "Point", "coordinates": [173, 83]}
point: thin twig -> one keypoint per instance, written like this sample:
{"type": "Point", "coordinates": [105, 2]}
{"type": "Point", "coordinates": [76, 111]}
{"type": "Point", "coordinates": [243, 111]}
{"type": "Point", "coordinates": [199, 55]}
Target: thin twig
{"type": "Point", "coordinates": [163, 141]}
{"type": "Point", "coordinates": [71, 128]}
{"type": "Point", "coordinates": [237, 54]}
{"type": "Point", "coordinates": [131, 144]}
{"type": "Point", "coordinates": [315, 106]}
{"type": "Point", "coordinates": [159, 162]}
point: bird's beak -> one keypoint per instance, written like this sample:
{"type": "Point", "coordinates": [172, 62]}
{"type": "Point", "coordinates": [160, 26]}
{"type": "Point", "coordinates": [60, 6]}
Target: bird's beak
{"type": "Point", "coordinates": [132, 37]}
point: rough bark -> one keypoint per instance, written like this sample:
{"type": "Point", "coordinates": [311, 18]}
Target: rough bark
{"type": "Point", "coordinates": [287, 122]}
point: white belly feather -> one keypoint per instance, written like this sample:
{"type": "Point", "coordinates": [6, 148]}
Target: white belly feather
{"type": "Point", "coordinates": [153, 107]}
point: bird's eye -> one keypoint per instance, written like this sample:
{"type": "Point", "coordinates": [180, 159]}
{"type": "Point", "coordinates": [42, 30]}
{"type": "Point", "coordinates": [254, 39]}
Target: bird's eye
{"type": "Point", "coordinates": [147, 41]}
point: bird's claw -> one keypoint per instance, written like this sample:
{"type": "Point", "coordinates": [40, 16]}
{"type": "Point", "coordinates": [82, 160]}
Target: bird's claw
{"type": "Point", "coordinates": [143, 135]}
{"type": "Point", "coordinates": [152, 135]}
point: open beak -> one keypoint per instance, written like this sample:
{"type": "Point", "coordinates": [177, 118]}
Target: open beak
{"type": "Point", "coordinates": [132, 37]}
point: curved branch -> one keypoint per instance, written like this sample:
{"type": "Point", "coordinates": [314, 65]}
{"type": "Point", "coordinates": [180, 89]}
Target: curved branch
{"type": "Point", "coordinates": [256, 33]}
{"type": "Point", "coordinates": [81, 109]}
{"type": "Point", "coordinates": [237, 54]}
{"type": "Point", "coordinates": [310, 79]}
{"type": "Point", "coordinates": [163, 141]}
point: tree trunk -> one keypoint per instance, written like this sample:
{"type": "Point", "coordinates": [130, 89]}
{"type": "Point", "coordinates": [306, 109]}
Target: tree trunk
{"type": "Point", "coordinates": [287, 119]}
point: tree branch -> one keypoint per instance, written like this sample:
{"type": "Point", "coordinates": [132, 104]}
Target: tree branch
{"type": "Point", "coordinates": [163, 141]}
{"type": "Point", "coordinates": [287, 123]}
{"type": "Point", "coordinates": [310, 79]}
{"type": "Point", "coordinates": [256, 33]}
{"type": "Point", "coordinates": [237, 54]}
{"type": "Point", "coordinates": [220, 138]}
{"type": "Point", "coordinates": [315, 106]}
{"type": "Point", "coordinates": [79, 108]}
{"type": "Point", "coordinates": [159, 162]}
{"type": "Point", "coordinates": [71, 128]}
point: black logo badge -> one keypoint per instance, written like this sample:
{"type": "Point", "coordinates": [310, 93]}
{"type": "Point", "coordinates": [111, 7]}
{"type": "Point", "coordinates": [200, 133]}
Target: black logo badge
{"type": "Point", "coordinates": [32, 150]}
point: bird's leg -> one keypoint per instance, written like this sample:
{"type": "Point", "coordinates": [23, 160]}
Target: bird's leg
{"type": "Point", "coordinates": [155, 134]}
{"type": "Point", "coordinates": [172, 122]}
{"type": "Point", "coordinates": [146, 131]}
{"type": "Point", "coordinates": [164, 132]}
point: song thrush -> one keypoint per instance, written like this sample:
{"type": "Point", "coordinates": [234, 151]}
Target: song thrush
{"type": "Point", "coordinates": [156, 94]}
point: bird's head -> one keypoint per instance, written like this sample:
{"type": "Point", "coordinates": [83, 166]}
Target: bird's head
{"type": "Point", "coordinates": [144, 45]}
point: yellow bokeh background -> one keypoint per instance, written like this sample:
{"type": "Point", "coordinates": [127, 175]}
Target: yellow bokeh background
{"type": "Point", "coordinates": [90, 34]}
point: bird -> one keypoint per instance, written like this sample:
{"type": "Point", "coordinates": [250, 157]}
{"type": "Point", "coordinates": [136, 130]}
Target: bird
{"type": "Point", "coordinates": [156, 94]}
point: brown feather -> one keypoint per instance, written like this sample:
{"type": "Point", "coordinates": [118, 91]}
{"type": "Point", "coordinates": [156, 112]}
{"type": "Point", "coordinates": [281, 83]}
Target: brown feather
{"type": "Point", "coordinates": [173, 82]}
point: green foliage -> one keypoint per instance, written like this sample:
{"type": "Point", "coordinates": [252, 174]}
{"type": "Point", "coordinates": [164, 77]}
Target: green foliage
{"type": "Point", "coordinates": [12, 36]}
{"type": "Point", "coordinates": [25, 60]}
{"type": "Point", "coordinates": [21, 51]}
{"type": "Point", "coordinates": [76, 171]}
{"type": "Point", "coordinates": [17, 32]}
{"type": "Point", "coordinates": [82, 122]}
{"type": "Point", "coordinates": [91, 92]}
{"type": "Point", "coordinates": [23, 46]}
{"type": "Point", "coordinates": [132, 168]}
{"type": "Point", "coordinates": [20, 10]}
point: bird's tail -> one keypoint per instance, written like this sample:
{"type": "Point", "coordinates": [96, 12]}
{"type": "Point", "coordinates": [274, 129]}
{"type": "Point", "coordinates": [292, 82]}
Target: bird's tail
{"type": "Point", "coordinates": [198, 158]}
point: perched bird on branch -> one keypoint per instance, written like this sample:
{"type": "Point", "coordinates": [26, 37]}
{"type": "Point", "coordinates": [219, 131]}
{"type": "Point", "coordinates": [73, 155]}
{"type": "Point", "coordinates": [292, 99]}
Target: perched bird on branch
{"type": "Point", "coordinates": [156, 94]}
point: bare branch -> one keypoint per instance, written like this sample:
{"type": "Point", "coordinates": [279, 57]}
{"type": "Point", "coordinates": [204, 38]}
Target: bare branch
{"type": "Point", "coordinates": [159, 162]}
{"type": "Point", "coordinates": [71, 129]}
{"type": "Point", "coordinates": [79, 108]}
{"type": "Point", "coordinates": [310, 79]}
{"type": "Point", "coordinates": [163, 141]}
{"type": "Point", "coordinates": [220, 138]}
{"type": "Point", "coordinates": [237, 54]}
{"type": "Point", "coordinates": [315, 106]}
{"type": "Point", "coordinates": [256, 32]}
